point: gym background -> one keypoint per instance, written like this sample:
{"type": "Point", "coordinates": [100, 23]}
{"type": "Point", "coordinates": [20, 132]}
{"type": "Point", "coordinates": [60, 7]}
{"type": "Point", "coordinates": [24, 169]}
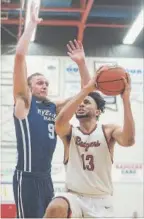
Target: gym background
{"type": "Point", "coordinates": [105, 24]}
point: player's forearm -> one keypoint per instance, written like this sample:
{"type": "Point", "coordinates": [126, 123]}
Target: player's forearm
{"type": "Point", "coordinates": [84, 73]}
{"type": "Point", "coordinates": [129, 125]}
{"type": "Point", "coordinates": [70, 108]}
{"type": "Point", "coordinates": [22, 46]}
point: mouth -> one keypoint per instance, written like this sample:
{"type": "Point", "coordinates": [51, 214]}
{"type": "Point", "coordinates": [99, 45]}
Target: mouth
{"type": "Point", "coordinates": [80, 111]}
{"type": "Point", "coordinates": [80, 114]}
{"type": "Point", "coordinates": [43, 93]}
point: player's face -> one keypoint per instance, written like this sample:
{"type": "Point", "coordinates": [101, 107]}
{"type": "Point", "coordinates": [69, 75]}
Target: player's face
{"type": "Point", "coordinates": [87, 109]}
{"type": "Point", "coordinates": [39, 86]}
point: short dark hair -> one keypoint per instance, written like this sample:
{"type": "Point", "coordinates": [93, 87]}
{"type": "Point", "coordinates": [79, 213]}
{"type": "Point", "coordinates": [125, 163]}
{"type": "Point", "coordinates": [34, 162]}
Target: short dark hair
{"type": "Point", "coordinates": [99, 100]}
{"type": "Point", "coordinates": [31, 76]}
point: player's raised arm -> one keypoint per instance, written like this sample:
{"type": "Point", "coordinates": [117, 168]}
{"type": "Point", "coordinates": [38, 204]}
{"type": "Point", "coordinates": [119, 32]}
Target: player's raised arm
{"type": "Point", "coordinates": [20, 70]}
{"type": "Point", "coordinates": [126, 136]}
{"type": "Point", "coordinates": [77, 54]}
{"type": "Point", "coordinates": [21, 91]}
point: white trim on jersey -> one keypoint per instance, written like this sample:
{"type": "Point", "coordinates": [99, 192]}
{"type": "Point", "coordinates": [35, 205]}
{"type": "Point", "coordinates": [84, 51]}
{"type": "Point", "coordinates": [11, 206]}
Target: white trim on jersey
{"type": "Point", "coordinates": [18, 193]}
{"type": "Point", "coordinates": [29, 144]}
{"type": "Point", "coordinates": [20, 203]}
{"type": "Point", "coordinates": [22, 211]}
{"type": "Point", "coordinates": [26, 136]}
{"type": "Point", "coordinates": [24, 143]}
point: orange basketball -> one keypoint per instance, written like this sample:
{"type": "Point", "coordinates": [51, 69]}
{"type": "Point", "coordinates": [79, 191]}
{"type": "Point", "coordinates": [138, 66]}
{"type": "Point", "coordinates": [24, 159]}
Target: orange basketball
{"type": "Point", "coordinates": [110, 80]}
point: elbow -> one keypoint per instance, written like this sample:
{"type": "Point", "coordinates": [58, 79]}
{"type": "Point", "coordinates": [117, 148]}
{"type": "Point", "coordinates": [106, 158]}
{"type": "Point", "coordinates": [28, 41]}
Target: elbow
{"type": "Point", "coordinates": [58, 126]}
{"type": "Point", "coordinates": [60, 119]}
{"type": "Point", "coordinates": [57, 129]}
{"type": "Point", "coordinates": [129, 142]}
{"type": "Point", "coordinates": [19, 56]}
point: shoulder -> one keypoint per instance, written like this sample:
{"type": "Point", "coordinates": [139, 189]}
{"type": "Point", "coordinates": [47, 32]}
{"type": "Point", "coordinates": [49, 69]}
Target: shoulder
{"type": "Point", "coordinates": [57, 102]}
{"type": "Point", "coordinates": [61, 103]}
{"type": "Point", "coordinates": [49, 102]}
{"type": "Point", "coordinates": [109, 129]}
{"type": "Point", "coordinates": [58, 105]}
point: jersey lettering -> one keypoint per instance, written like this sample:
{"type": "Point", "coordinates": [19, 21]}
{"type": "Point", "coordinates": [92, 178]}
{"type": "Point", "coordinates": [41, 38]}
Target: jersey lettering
{"type": "Point", "coordinates": [51, 130]}
{"type": "Point", "coordinates": [88, 162]}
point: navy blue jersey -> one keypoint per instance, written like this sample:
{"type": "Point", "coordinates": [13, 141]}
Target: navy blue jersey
{"type": "Point", "coordinates": [36, 137]}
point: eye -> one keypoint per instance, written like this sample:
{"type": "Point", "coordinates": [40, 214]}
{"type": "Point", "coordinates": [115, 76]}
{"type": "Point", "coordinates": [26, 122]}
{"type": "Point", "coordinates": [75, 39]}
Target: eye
{"type": "Point", "coordinates": [40, 82]}
{"type": "Point", "coordinates": [86, 102]}
{"type": "Point", "coordinates": [47, 84]}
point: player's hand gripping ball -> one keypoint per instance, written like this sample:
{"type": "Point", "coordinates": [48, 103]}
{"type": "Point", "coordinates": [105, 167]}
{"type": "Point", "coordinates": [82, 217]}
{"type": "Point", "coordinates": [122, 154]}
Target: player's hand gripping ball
{"type": "Point", "coordinates": [110, 80]}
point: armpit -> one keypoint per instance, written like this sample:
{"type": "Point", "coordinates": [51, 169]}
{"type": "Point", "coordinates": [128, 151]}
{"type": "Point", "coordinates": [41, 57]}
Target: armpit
{"type": "Point", "coordinates": [24, 98]}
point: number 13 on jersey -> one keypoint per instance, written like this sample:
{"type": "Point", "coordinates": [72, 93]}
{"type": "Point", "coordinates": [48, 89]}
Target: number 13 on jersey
{"type": "Point", "coordinates": [88, 162]}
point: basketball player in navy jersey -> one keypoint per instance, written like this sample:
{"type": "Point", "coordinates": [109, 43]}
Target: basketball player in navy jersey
{"type": "Point", "coordinates": [89, 154]}
{"type": "Point", "coordinates": [34, 118]}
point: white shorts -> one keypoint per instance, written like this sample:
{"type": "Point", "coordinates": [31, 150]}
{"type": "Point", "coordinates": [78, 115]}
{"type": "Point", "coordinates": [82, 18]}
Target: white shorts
{"type": "Point", "coordinates": [83, 206]}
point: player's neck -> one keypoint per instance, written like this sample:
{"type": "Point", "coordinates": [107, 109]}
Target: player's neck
{"type": "Point", "coordinates": [88, 126]}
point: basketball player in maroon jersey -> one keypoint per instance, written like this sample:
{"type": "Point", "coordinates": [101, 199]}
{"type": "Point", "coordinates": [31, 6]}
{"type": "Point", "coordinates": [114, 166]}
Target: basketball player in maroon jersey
{"type": "Point", "coordinates": [89, 154]}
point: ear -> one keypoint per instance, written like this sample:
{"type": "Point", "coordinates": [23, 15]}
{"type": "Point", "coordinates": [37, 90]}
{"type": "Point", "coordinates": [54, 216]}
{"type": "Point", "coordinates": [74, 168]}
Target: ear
{"type": "Point", "coordinates": [97, 112]}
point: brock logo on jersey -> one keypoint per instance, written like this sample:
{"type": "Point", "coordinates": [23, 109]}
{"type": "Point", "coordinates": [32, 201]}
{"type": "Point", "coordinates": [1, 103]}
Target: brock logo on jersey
{"type": "Point", "coordinates": [86, 145]}
{"type": "Point", "coordinates": [47, 115]}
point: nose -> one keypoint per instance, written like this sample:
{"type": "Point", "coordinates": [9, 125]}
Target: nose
{"type": "Point", "coordinates": [44, 86]}
{"type": "Point", "coordinates": [81, 105]}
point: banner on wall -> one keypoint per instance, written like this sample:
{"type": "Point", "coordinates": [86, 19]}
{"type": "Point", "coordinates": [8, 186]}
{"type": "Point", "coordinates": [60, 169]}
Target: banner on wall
{"type": "Point", "coordinates": [71, 72]}
{"type": "Point", "coordinates": [121, 173]}
{"type": "Point", "coordinates": [136, 72]}
{"type": "Point", "coordinates": [71, 79]}
{"type": "Point", "coordinates": [128, 173]}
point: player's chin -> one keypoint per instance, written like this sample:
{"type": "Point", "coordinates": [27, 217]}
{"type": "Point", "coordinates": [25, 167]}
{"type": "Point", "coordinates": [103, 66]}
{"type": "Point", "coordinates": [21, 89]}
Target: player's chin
{"type": "Point", "coordinates": [43, 94]}
{"type": "Point", "coordinates": [81, 115]}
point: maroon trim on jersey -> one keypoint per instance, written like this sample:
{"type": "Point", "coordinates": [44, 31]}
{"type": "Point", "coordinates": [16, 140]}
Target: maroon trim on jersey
{"type": "Point", "coordinates": [107, 141]}
{"type": "Point", "coordinates": [88, 133]}
{"type": "Point", "coordinates": [68, 137]}
{"type": "Point", "coordinates": [105, 135]}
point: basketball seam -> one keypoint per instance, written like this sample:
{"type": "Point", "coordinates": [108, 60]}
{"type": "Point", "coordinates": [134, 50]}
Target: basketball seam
{"type": "Point", "coordinates": [109, 81]}
{"type": "Point", "coordinates": [110, 90]}
{"type": "Point", "coordinates": [101, 82]}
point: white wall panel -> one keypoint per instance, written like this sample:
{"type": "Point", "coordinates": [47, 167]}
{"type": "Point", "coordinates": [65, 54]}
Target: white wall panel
{"type": "Point", "coordinates": [64, 82]}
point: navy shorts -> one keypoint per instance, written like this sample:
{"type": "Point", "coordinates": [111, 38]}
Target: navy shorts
{"type": "Point", "coordinates": [32, 193]}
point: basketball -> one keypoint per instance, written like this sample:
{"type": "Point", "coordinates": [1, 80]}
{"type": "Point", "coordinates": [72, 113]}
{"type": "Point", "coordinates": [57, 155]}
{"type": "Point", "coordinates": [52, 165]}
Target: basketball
{"type": "Point", "coordinates": [110, 80]}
